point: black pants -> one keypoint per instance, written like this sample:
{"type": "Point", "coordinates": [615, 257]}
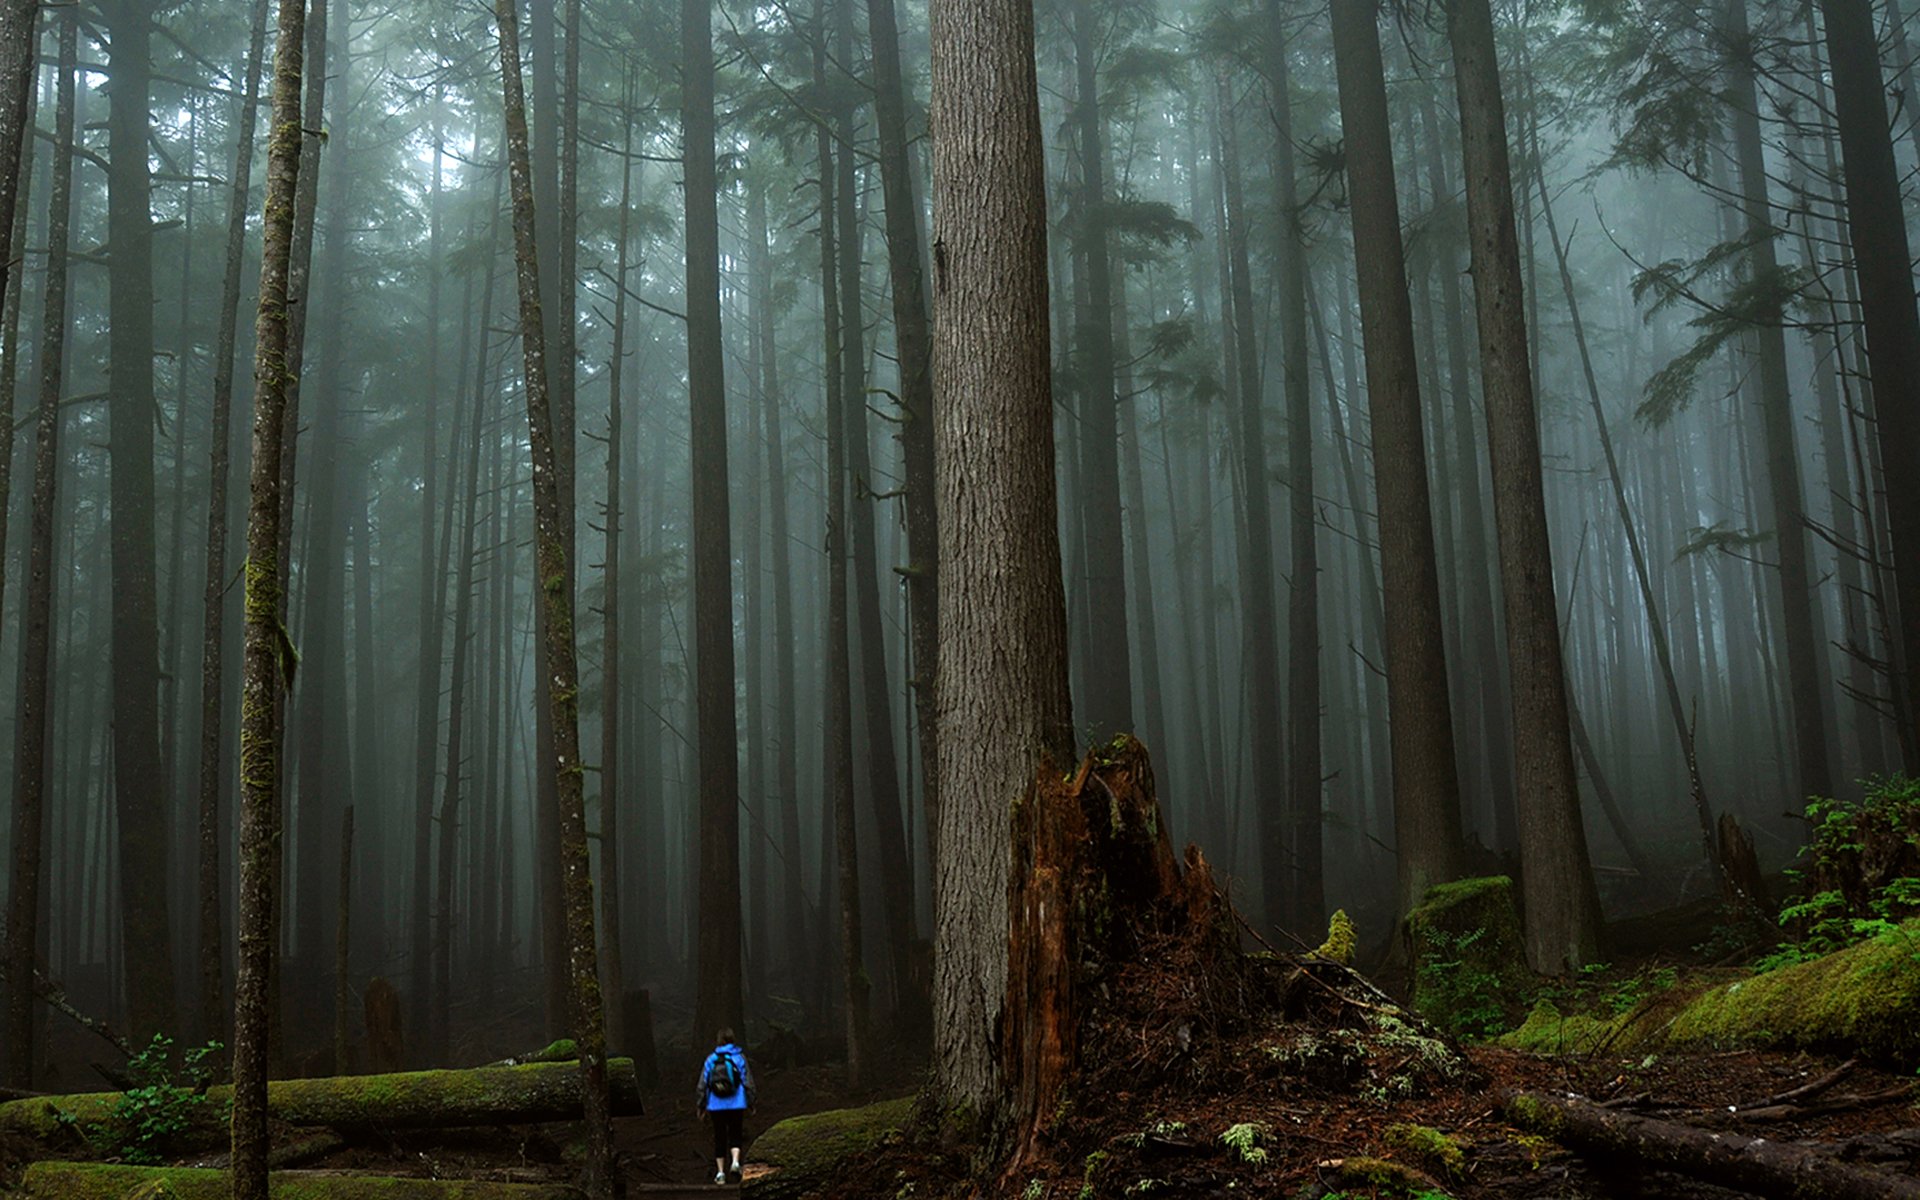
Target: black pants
{"type": "Point", "coordinates": [729, 1128]}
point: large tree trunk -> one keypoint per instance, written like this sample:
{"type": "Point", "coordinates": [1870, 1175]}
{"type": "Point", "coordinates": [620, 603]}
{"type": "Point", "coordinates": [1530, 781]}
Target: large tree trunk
{"type": "Point", "coordinates": [25, 884]}
{"type": "Point", "coordinates": [141, 807]}
{"type": "Point", "coordinates": [1876, 224]}
{"type": "Point", "coordinates": [1562, 904]}
{"type": "Point", "coordinates": [213, 1013]}
{"type": "Point", "coordinates": [999, 533]}
{"type": "Point", "coordinates": [717, 1001]}
{"type": "Point", "coordinates": [561, 685]}
{"type": "Point", "coordinates": [1426, 790]}
{"type": "Point", "coordinates": [913, 344]}
{"type": "Point", "coordinates": [266, 664]}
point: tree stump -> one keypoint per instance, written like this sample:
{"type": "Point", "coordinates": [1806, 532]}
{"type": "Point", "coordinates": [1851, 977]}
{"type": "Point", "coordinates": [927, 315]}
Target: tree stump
{"type": "Point", "coordinates": [1094, 883]}
{"type": "Point", "coordinates": [385, 1049]}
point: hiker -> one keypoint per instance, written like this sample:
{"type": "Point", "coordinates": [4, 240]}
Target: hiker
{"type": "Point", "coordinates": [726, 1097]}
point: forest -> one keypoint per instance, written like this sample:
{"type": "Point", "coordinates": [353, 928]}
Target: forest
{"type": "Point", "coordinates": [1312, 598]}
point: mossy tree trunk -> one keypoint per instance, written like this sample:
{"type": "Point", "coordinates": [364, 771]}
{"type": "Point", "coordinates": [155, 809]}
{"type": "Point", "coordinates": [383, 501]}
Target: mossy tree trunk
{"type": "Point", "coordinates": [562, 681]}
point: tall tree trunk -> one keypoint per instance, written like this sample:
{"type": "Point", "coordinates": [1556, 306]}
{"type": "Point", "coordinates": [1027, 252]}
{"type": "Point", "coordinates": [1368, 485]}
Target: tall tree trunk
{"type": "Point", "coordinates": [837, 672]}
{"type": "Point", "coordinates": [562, 683]}
{"type": "Point", "coordinates": [11, 298]}
{"type": "Point", "coordinates": [1800, 627]}
{"type": "Point", "coordinates": [613, 805]}
{"type": "Point", "coordinates": [913, 344]}
{"type": "Point", "coordinates": [1258, 628]}
{"type": "Point", "coordinates": [214, 1015]}
{"type": "Point", "coordinates": [19, 67]}
{"type": "Point", "coordinates": [718, 1000]}
{"type": "Point", "coordinates": [999, 530]}
{"type": "Point", "coordinates": [1876, 225]}
{"type": "Point", "coordinates": [266, 665]}
{"type": "Point", "coordinates": [1426, 788]}
{"type": "Point", "coordinates": [787, 770]}
{"type": "Point", "coordinates": [142, 809]}
{"type": "Point", "coordinates": [426, 728]}
{"type": "Point", "coordinates": [1562, 904]}
{"type": "Point", "coordinates": [883, 771]}
{"type": "Point", "coordinates": [1107, 706]}
{"type": "Point", "coordinates": [25, 883]}
{"type": "Point", "coordinates": [452, 788]}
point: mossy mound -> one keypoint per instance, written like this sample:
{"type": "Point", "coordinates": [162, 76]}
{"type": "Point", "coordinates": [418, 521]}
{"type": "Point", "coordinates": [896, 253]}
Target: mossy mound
{"type": "Point", "coordinates": [1434, 1151]}
{"type": "Point", "coordinates": [1468, 956]}
{"type": "Point", "coordinates": [801, 1152]}
{"type": "Point", "coordinates": [103, 1181]}
{"type": "Point", "coordinates": [1863, 1000]}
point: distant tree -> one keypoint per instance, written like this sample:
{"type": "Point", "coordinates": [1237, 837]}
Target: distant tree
{"type": "Point", "coordinates": [1426, 789]}
{"type": "Point", "coordinates": [561, 687]}
{"type": "Point", "coordinates": [1562, 905]}
{"type": "Point", "coordinates": [19, 67]}
{"type": "Point", "coordinates": [718, 1000]}
{"type": "Point", "coordinates": [999, 534]}
{"type": "Point", "coordinates": [267, 662]}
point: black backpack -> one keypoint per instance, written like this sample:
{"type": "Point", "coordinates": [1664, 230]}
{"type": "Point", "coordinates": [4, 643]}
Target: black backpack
{"type": "Point", "coordinates": [723, 1077]}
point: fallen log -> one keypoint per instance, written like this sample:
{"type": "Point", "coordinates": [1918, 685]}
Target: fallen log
{"type": "Point", "coordinates": [522, 1095]}
{"type": "Point", "coordinates": [1758, 1165]}
{"type": "Point", "coordinates": [108, 1181]}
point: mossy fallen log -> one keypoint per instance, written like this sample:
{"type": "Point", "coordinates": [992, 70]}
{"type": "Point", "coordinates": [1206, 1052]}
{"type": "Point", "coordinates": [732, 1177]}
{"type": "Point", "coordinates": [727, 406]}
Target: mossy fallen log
{"type": "Point", "coordinates": [801, 1152]}
{"type": "Point", "coordinates": [521, 1095]}
{"type": "Point", "coordinates": [1863, 1000]}
{"type": "Point", "coordinates": [105, 1181]}
{"type": "Point", "coordinates": [1757, 1165]}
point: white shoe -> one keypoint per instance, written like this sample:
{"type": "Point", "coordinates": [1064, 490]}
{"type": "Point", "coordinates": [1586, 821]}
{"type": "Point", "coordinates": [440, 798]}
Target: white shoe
{"type": "Point", "coordinates": [720, 1178]}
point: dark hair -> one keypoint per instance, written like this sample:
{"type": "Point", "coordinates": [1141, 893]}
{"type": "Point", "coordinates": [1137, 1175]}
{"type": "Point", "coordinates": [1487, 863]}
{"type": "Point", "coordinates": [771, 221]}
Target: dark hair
{"type": "Point", "coordinates": [724, 1036]}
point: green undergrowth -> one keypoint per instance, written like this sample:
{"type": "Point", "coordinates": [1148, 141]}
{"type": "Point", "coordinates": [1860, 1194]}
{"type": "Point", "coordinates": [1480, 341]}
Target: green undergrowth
{"type": "Point", "coordinates": [803, 1151]}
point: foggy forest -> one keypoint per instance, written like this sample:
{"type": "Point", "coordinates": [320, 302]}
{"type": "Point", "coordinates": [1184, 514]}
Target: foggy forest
{"type": "Point", "coordinates": [1310, 598]}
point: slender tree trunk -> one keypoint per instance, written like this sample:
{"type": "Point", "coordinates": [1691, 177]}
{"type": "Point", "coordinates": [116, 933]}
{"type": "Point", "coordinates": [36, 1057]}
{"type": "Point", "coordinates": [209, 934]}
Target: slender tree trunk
{"type": "Point", "coordinates": [1307, 895]}
{"type": "Point", "coordinates": [1562, 904]}
{"type": "Point", "coordinates": [214, 1015]}
{"type": "Point", "coordinates": [265, 665]}
{"type": "Point", "coordinates": [999, 530]}
{"type": "Point", "coordinates": [1426, 789]}
{"type": "Point", "coordinates": [19, 67]}
{"type": "Point", "coordinates": [883, 771]}
{"type": "Point", "coordinates": [343, 946]}
{"type": "Point", "coordinates": [913, 343]}
{"type": "Point", "coordinates": [718, 1000]}
{"type": "Point", "coordinates": [613, 804]}
{"type": "Point", "coordinates": [787, 771]}
{"type": "Point", "coordinates": [11, 298]}
{"type": "Point", "coordinates": [561, 686]}
{"type": "Point", "coordinates": [1876, 225]}
{"type": "Point", "coordinates": [25, 883]}
{"type": "Point", "coordinates": [1258, 627]}
{"type": "Point", "coordinates": [142, 809]}
{"type": "Point", "coordinates": [1108, 702]}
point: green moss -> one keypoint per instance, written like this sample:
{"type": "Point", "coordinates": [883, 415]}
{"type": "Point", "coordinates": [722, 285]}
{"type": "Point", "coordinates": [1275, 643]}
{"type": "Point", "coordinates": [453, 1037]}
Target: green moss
{"type": "Point", "coordinates": [1529, 1114]}
{"type": "Point", "coordinates": [1468, 955]}
{"type": "Point", "coordinates": [1547, 1032]}
{"type": "Point", "coordinates": [105, 1181]}
{"type": "Point", "coordinates": [1427, 1146]}
{"type": "Point", "coordinates": [803, 1149]}
{"type": "Point", "coordinates": [1383, 1175]}
{"type": "Point", "coordinates": [1342, 939]}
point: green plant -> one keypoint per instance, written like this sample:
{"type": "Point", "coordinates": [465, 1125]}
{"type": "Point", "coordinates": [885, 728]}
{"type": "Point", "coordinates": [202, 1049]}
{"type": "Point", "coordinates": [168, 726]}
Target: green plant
{"type": "Point", "coordinates": [163, 1103]}
{"type": "Point", "coordinates": [1457, 991]}
{"type": "Point", "coordinates": [1859, 871]}
{"type": "Point", "coordinates": [1244, 1141]}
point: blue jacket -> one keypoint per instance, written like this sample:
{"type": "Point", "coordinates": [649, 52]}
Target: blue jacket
{"type": "Point", "coordinates": [742, 1096]}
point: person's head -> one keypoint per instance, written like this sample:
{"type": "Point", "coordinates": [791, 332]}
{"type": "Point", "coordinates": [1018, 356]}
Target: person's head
{"type": "Point", "coordinates": [724, 1037]}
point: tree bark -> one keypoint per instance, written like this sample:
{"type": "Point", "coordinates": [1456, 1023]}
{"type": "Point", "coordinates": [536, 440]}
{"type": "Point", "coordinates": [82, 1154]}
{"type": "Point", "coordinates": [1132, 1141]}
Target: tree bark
{"type": "Point", "coordinates": [561, 684]}
{"type": "Point", "coordinates": [1426, 790]}
{"type": "Point", "coordinates": [19, 67]}
{"type": "Point", "coordinates": [718, 1001]}
{"type": "Point", "coordinates": [1562, 903]}
{"type": "Point", "coordinates": [265, 669]}
{"type": "Point", "coordinates": [1876, 226]}
{"type": "Point", "coordinates": [25, 884]}
{"type": "Point", "coordinates": [999, 534]}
